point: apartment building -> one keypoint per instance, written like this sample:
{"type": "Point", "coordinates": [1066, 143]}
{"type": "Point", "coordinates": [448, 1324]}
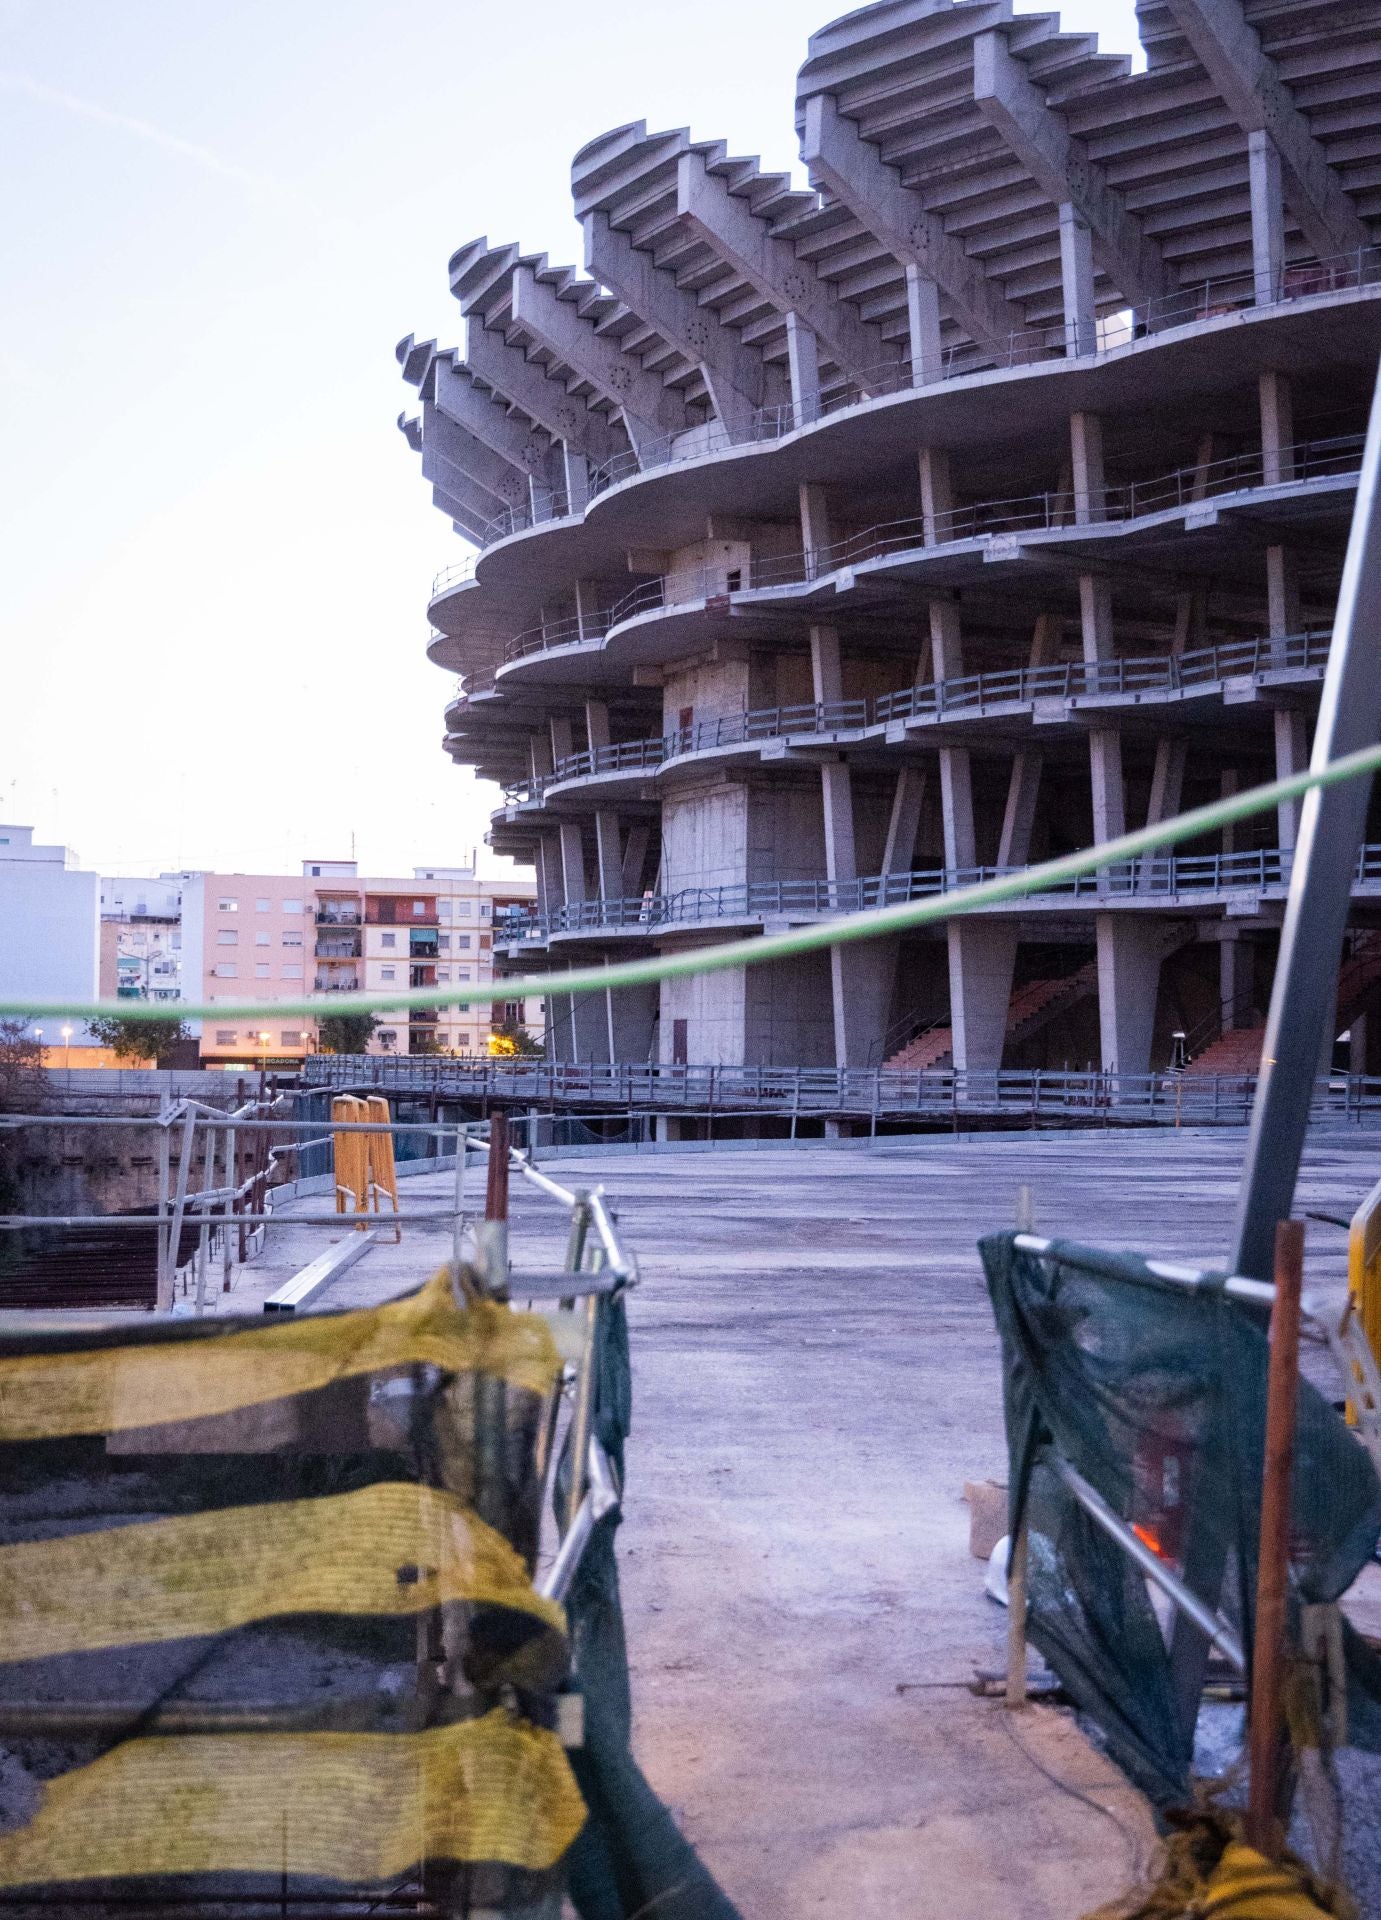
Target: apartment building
{"type": "Point", "coordinates": [272, 939]}
{"type": "Point", "coordinates": [141, 938]}
{"type": "Point", "coordinates": [846, 544]}
{"type": "Point", "coordinates": [49, 933]}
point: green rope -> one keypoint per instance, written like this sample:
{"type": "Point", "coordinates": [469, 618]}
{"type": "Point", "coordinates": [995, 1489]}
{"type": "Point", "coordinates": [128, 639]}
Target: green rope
{"type": "Point", "coordinates": [868, 925]}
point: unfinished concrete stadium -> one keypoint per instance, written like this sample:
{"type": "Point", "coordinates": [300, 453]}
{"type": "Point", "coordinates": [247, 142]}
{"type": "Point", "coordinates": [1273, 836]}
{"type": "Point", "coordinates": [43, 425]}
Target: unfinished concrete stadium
{"type": "Point", "coordinates": [846, 544]}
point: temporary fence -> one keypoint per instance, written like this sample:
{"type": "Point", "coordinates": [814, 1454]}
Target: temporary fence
{"type": "Point", "coordinates": [1135, 1400]}
{"type": "Point", "coordinates": [278, 1625]}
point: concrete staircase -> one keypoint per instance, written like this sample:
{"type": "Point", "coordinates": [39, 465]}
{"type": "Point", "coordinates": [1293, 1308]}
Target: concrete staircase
{"type": "Point", "coordinates": [1239, 1050]}
{"type": "Point", "coordinates": [1030, 1007]}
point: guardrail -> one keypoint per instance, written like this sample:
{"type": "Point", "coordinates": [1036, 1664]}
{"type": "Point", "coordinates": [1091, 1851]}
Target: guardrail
{"type": "Point", "coordinates": [1016, 1096]}
{"type": "Point", "coordinates": [1057, 510]}
{"type": "Point", "coordinates": [969, 694]}
{"type": "Point", "coordinates": [1154, 877]}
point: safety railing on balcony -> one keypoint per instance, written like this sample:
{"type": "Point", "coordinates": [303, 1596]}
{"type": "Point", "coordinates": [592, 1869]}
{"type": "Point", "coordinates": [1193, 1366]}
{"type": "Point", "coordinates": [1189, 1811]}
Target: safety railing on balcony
{"type": "Point", "coordinates": [968, 694]}
{"type": "Point", "coordinates": [1049, 512]}
{"type": "Point", "coordinates": [1154, 877]}
{"type": "Point", "coordinates": [1186, 306]}
{"type": "Point", "coordinates": [338, 981]}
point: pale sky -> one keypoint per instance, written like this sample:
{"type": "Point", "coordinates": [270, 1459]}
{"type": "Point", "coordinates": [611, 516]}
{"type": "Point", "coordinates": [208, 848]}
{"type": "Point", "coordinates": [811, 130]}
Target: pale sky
{"type": "Point", "coordinates": [220, 216]}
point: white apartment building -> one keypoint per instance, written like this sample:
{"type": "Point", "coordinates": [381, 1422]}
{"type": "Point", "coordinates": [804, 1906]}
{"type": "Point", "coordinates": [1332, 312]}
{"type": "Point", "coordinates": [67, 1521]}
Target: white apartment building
{"type": "Point", "coordinates": [49, 930]}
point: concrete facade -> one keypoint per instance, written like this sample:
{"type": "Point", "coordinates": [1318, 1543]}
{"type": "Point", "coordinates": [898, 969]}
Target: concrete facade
{"type": "Point", "coordinates": [977, 504]}
{"type": "Point", "coordinates": [49, 932]}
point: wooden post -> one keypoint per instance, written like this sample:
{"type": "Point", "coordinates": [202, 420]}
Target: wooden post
{"type": "Point", "coordinates": [1265, 1829]}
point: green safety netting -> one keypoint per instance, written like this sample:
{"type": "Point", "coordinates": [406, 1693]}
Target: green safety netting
{"type": "Point", "coordinates": [1155, 1392]}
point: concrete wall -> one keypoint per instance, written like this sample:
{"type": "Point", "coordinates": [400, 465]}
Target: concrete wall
{"type": "Point", "coordinates": [49, 927]}
{"type": "Point", "coordinates": [705, 836]}
{"type": "Point", "coordinates": [790, 1015]}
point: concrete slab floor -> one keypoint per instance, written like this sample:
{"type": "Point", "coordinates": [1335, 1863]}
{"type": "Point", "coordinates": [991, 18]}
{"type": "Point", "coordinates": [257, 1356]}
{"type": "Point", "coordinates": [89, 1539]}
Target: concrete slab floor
{"type": "Point", "coordinates": [815, 1377]}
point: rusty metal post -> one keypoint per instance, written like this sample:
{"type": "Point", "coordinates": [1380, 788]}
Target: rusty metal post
{"type": "Point", "coordinates": [1265, 1829]}
{"type": "Point", "coordinates": [492, 1236]}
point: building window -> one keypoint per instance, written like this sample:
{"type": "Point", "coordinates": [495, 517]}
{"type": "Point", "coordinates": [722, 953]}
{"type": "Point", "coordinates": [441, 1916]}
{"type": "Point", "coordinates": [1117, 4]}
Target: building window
{"type": "Point", "coordinates": [227, 970]}
{"type": "Point", "coordinates": [463, 941]}
{"type": "Point", "coordinates": [484, 909]}
{"type": "Point", "coordinates": [388, 1037]}
{"type": "Point", "coordinates": [462, 973]}
{"type": "Point", "coordinates": [443, 909]}
{"type": "Point", "coordinates": [388, 973]}
{"type": "Point", "coordinates": [225, 1036]}
{"type": "Point", "coordinates": [443, 975]}
{"type": "Point", "coordinates": [292, 969]}
{"type": "Point", "coordinates": [291, 1036]}
{"type": "Point", "coordinates": [443, 940]}
{"type": "Point", "coordinates": [227, 937]}
{"type": "Point", "coordinates": [262, 906]}
{"type": "Point", "coordinates": [292, 906]}
{"type": "Point", "coordinates": [388, 939]}
{"type": "Point", "coordinates": [261, 939]}
{"type": "Point", "coordinates": [262, 970]}
{"type": "Point", "coordinates": [176, 943]}
{"type": "Point", "coordinates": [227, 906]}
{"type": "Point", "coordinates": [464, 908]}
{"type": "Point", "coordinates": [292, 939]}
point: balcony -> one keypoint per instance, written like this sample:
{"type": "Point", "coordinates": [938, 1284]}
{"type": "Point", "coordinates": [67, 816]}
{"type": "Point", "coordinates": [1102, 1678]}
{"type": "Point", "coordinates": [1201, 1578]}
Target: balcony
{"type": "Point", "coordinates": [338, 981]}
{"type": "Point", "coordinates": [423, 946]}
{"type": "Point", "coordinates": [422, 976]}
{"type": "Point", "coordinates": [338, 946]}
{"type": "Point", "coordinates": [338, 916]}
{"type": "Point", "coordinates": [423, 1016]}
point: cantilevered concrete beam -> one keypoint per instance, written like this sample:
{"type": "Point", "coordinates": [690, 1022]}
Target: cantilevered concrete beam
{"type": "Point", "coordinates": [460, 400]}
{"type": "Point", "coordinates": [1230, 52]}
{"type": "Point", "coordinates": [1012, 103]}
{"type": "Point", "coordinates": [733, 373]}
{"type": "Point", "coordinates": [728, 224]}
{"type": "Point", "coordinates": [566, 416]}
{"type": "Point", "coordinates": [462, 450]}
{"type": "Point", "coordinates": [855, 172]}
{"type": "Point", "coordinates": [648, 409]}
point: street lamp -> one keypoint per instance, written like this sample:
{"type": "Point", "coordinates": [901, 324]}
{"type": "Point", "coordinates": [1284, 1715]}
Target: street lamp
{"type": "Point", "coordinates": [66, 1033]}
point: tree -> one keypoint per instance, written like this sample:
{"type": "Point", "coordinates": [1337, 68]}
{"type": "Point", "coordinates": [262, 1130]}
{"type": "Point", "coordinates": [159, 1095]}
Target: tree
{"type": "Point", "coordinates": [22, 1078]}
{"type": "Point", "coordinates": [346, 1032]}
{"type": "Point", "coordinates": [156, 1040]}
{"type": "Point", "coordinates": [509, 1041]}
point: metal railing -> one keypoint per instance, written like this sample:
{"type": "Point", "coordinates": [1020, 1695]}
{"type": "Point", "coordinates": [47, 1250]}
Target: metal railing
{"type": "Point", "coordinates": [967, 695]}
{"type": "Point", "coordinates": [1152, 878]}
{"type": "Point", "coordinates": [1017, 1096]}
{"type": "Point", "coordinates": [1053, 511]}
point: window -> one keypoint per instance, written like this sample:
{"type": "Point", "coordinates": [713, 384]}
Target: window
{"type": "Point", "coordinates": [227, 937]}
{"type": "Point", "coordinates": [176, 943]}
{"type": "Point", "coordinates": [388, 973]}
{"type": "Point", "coordinates": [443, 909]}
{"type": "Point", "coordinates": [227, 906]}
{"type": "Point", "coordinates": [443, 975]}
{"type": "Point", "coordinates": [388, 1037]}
{"type": "Point", "coordinates": [292, 938]}
{"type": "Point", "coordinates": [484, 909]}
{"type": "Point", "coordinates": [292, 969]}
{"type": "Point", "coordinates": [262, 906]}
{"type": "Point", "coordinates": [443, 939]}
{"type": "Point", "coordinates": [462, 973]}
{"type": "Point", "coordinates": [261, 939]}
{"type": "Point", "coordinates": [291, 1037]}
{"type": "Point", "coordinates": [388, 939]}
{"type": "Point", "coordinates": [463, 941]}
{"type": "Point", "coordinates": [225, 1036]}
{"type": "Point", "coordinates": [419, 909]}
{"type": "Point", "coordinates": [262, 970]}
{"type": "Point", "coordinates": [464, 908]}
{"type": "Point", "coordinates": [464, 1007]}
{"type": "Point", "coordinates": [227, 970]}
{"type": "Point", "coordinates": [292, 906]}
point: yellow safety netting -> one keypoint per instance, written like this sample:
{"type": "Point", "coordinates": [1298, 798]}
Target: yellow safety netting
{"type": "Point", "coordinates": [49, 1396]}
{"type": "Point", "coordinates": [348, 1807]}
{"type": "Point", "coordinates": [385, 1549]}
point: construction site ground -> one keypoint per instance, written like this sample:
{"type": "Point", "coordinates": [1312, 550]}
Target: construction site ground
{"type": "Point", "coordinates": [816, 1376]}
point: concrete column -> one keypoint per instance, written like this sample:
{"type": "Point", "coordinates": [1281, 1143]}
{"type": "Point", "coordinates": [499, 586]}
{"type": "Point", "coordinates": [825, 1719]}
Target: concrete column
{"type": "Point", "coordinates": [904, 821]}
{"type": "Point", "coordinates": [1167, 787]}
{"type": "Point", "coordinates": [1019, 815]}
{"type": "Point", "coordinates": [538, 755]}
{"type": "Point", "coordinates": [588, 612]}
{"type": "Point", "coordinates": [1268, 216]}
{"type": "Point", "coordinates": [607, 853]}
{"type": "Point", "coordinates": [576, 474]}
{"type": "Point", "coordinates": [956, 775]}
{"type": "Point", "coordinates": [1089, 475]}
{"type": "Point", "coordinates": [1235, 976]}
{"type": "Point", "coordinates": [937, 493]}
{"type": "Point", "coordinates": [1292, 756]}
{"type": "Point", "coordinates": [635, 858]}
{"type": "Point", "coordinates": [630, 1013]}
{"type": "Point", "coordinates": [803, 364]}
{"type": "Point", "coordinates": [1109, 788]}
{"type": "Point", "coordinates": [1129, 957]}
{"type": "Point", "coordinates": [1076, 274]}
{"type": "Point", "coordinates": [826, 672]}
{"type": "Point", "coordinates": [550, 891]}
{"type": "Point", "coordinates": [817, 531]}
{"type": "Point", "coordinates": [923, 327]}
{"type": "Point", "coordinates": [1277, 428]}
{"type": "Point", "coordinates": [562, 737]}
{"type": "Point", "coordinates": [841, 862]}
{"type": "Point", "coordinates": [1190, 610]}
{"type": "Point", "coordinates": [597, 724]}
{"type": "Point", "coordinates": [589, 1026]}
{"type": "Point", "coordinates": [572, 862]}
{"type": "Point", "coordinates": [982, 958]}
